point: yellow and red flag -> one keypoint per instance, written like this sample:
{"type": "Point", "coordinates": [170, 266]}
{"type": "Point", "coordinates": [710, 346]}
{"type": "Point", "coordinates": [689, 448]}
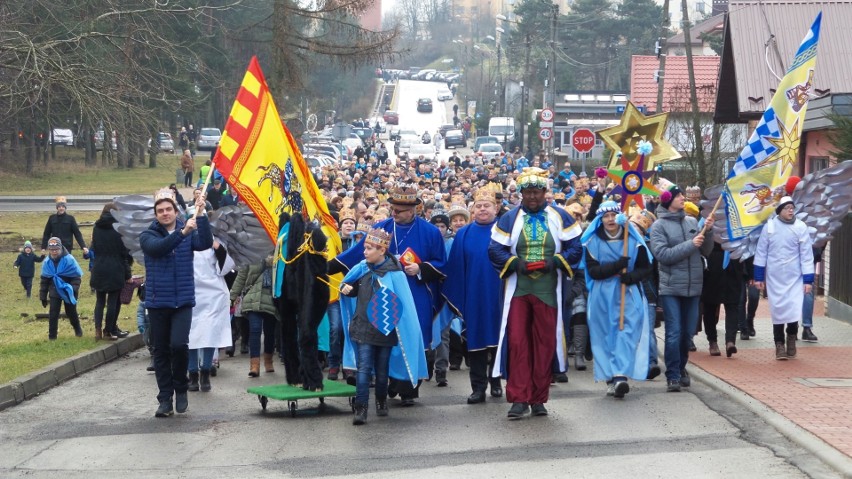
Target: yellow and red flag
{"type": "Point", "coordinates": [259, 159]}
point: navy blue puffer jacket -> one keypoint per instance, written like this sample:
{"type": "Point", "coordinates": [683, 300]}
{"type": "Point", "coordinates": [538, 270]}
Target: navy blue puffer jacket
{"type": "Point", "coordinates": [169, 278]}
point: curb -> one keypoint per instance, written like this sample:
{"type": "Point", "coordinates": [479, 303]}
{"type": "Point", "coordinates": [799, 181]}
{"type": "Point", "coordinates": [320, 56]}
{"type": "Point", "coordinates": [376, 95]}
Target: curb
{"type": "Point", "coordinates": [31, 385]}
{"type": "Point", "coordinates": [795, 433]}
{"type": "Point", "coordinates": [49, 200]}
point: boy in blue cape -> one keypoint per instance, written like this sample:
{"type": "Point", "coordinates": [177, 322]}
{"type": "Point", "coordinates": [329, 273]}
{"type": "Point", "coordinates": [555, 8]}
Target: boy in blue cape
{"type": "Point", "coordinates": [60, 283]}
{"type": "Point", "coordinates": [381, 330]}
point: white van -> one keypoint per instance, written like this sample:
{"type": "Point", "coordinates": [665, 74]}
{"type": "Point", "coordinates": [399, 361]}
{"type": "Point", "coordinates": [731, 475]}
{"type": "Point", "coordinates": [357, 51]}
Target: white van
{"type": "Point", "coordinates": [503, 127]}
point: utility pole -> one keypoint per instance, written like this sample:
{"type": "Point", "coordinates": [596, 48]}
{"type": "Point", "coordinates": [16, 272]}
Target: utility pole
{"type": "Point", "coordinates": [661, 41]}
{"type": "Point", "coordinates": [552, 75]}
{"type": "Point", "coordinates": [524, 86]}
{"type": "Point", "coordinates": [693, 97]}
{"type": "Point", "coordinates": [500, 94]}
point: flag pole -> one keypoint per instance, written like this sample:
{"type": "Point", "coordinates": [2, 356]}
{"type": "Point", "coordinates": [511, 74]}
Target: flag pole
{"type": "Point", "coordinates": [713, 212]}
{"type": "Point", "coordinates": [623, 286]}
{"type": "Point", "coordinates": [205, 185]}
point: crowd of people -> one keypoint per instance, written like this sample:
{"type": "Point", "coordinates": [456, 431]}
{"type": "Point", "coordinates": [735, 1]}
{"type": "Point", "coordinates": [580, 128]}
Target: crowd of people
{"type": "Point", "coordinates": [510, 266]}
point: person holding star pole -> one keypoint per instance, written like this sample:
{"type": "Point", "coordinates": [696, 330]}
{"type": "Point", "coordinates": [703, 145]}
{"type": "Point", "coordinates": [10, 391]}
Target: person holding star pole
{"type": "Point", "coordinates": [616, 261]}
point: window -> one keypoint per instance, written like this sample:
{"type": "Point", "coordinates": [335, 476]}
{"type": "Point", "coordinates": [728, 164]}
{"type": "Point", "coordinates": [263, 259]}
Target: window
{"type": "Point", "coordinates": [700, 7]}
{"type": "Point", "coordinates": [818, 163]}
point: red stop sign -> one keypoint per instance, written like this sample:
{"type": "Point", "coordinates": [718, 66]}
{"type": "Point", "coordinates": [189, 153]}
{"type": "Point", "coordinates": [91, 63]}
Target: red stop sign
{"type": "Point", "coordinates": [583, 140]}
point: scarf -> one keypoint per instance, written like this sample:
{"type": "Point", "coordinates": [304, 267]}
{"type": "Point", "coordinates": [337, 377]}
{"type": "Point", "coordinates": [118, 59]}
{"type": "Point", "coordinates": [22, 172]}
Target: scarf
{"type": "Point", "coordinates": [66, 266]}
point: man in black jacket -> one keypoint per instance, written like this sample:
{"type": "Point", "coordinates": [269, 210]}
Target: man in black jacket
{"type": "Point", "coordinates": [63, 226]}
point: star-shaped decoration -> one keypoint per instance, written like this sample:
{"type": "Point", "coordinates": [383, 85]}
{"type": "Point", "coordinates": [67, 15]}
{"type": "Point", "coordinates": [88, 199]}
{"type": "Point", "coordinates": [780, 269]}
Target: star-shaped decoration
{"type": "Point", "coordinates": [787, 147]}
{"type": "Point", "coordinates": [631, 182]}
{"type": "Point", "coordinates": [624, 138]}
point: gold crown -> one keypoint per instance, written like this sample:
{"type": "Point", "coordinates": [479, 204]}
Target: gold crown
{"type": "Point", "coordinates": [559, 196]}
{"type": "Point", "coordinates": [347, 214]}
{"type": "Point", "coordinates": [693, 189]}
{"type": "Point", "coordinates": [484, 194]}
{"type": "Point", "coordinates": [165, 194]}
{"type": "Point", "coordinates": [377, 237]}
{"type": "Point", "coordinates": [404, 195]}
{"type": "Point", "coordinates": [60, 199]}
{"type": "Point", "coordinates": [532, 177]}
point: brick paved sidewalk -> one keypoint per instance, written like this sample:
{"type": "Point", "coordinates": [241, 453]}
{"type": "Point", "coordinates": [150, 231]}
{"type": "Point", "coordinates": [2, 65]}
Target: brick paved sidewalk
{"type": "Point", "coordinates": [814, 391]}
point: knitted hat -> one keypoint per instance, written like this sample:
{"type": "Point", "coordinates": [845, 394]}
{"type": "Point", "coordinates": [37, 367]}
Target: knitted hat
{"type": "Point", "coordinates": [669, 195]}
{"type": "Point", "coordinates": [439, 217]}
{"type": "Point", "coordinates": [61, 201]}
{"type": "Point", "coordinates": [54, 243]}
{"type": "Point", "coordinates": [459, 210]}
{"type": "Point", "coordinates": [28, 244]}
{"type": "Point", "coordinates": [691, 209]}
{"type": "Point", "coordinates": [783, 203]}
{"type": "Point", "coordinates": [608, 207]}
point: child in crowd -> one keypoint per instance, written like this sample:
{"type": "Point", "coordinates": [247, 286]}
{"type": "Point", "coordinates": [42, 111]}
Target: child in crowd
{"type": "Point", "coordinates": [60, 284]}
{"type": "Point", "coordinates": [26, 267]}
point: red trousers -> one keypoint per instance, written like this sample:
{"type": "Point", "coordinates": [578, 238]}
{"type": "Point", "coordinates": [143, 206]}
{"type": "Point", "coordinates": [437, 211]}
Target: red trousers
{"type": "Point", "coordinates": [531, 333]}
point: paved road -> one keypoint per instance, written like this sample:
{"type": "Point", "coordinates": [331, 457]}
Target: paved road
{"type": "Point", "coordinates": [101, 425]}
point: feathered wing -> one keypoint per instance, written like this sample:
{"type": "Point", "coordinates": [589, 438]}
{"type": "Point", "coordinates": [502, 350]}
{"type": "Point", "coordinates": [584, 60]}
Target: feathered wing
{"type": "Point", "coordinates": [133, 214]}
{"type": "Point", "coordinates": [822, 200]}
{"type": "Point", "coordinates": [239, 230]}
{"type": "Point", "coordinates": [236, 227]}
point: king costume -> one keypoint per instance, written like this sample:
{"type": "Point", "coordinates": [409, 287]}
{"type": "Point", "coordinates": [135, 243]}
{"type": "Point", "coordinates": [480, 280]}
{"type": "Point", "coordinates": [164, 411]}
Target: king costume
{"type": "Point", "coordinates": [530, 334]}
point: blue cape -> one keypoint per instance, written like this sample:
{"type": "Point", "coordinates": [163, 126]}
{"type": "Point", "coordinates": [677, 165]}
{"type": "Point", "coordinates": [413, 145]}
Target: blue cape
{"type": "Point", "coordinates": [407, 359]}
{"type": "Point", "coordinates": [67, 267]}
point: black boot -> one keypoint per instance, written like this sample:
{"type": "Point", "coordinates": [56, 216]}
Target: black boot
{"type": "Point", "coordinates": [205, 381]}
{"type": "Point", "coordinates": [193, 381]}
{"type": "Point", "coordinates": [360, 414]}
{"type": "Point", "coordinates": [381, 407]}
{"type": "Point", "coordinates": [581, 335]}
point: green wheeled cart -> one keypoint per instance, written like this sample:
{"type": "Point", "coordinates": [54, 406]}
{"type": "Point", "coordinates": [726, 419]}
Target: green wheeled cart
{"type": "Point", "coordinates": [292, 394]}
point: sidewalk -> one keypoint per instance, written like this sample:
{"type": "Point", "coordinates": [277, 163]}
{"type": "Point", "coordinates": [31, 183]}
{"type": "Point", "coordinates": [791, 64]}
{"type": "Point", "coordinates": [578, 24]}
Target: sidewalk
{"type": "Point", "coordinates": [813, 391]}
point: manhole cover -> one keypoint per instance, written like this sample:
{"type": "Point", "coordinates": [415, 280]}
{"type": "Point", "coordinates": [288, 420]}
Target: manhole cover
{"type": "Point", "coordinates": [826, 382]}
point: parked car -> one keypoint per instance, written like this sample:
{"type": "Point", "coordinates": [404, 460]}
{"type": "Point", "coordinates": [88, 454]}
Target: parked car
{"type": "Point", "coordinates": [445, 128]}
{"type": "Point", "coordinates": [481, 140]}
{"type": "Point", "coordinates": [490, 150]}
{"type": "Point", "coordinates": [208, 138]}
{"type": "Point", "coordinates": [62, 136]}
{"type": "Point", "coordinates": [393, 133]}
{"type": "Point", "coordinates": [454, 138]}
{"type": "Point", "coordinates": [352, 143]}
{"type": "Point", "coordinates": [391, 117]}
{"type": "Point", "coordinates": [363, 133]}
{"type": "Point", "coordinates": [164, 142]}
{"type": "Point", "coordinates": [444, 93]}
{"type": "Point", "coordinates": [99, 141]}
{"type": "Point", "coordinates": [426, 151]}
{"type": "Point", "coordinates": [326, 149]}
{"type": "Point", "coordinates": [424, 105]}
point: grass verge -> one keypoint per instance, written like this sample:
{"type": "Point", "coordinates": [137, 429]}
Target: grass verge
{"type": "Point", "coordinates": [68, 175]}
{"type": "Point", "coordinates": [24, 346]}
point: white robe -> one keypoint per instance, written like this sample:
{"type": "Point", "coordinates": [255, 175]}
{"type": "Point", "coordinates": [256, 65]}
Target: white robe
{"type": "Point", "coordinates": [211, 318]}
{"type": "Point", "coordinates": [785, 251]}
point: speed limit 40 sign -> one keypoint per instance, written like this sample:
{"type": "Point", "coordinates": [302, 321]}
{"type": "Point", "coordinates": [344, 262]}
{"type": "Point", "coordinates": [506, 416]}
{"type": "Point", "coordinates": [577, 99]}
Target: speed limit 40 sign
{"type": "Point", "coordinates": [545, 134]}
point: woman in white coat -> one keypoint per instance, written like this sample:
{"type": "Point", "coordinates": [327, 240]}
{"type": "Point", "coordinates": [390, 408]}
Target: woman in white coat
{"type": "Point", "coordinates": [211, 320]}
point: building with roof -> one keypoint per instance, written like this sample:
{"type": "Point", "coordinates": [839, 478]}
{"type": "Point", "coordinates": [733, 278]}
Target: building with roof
{"type": "Point", "coordinates": [760, 41]}
{"type": "Point", "coordinates": [676, 45]}
{"type": "Point", "coordinates": [587, 109]}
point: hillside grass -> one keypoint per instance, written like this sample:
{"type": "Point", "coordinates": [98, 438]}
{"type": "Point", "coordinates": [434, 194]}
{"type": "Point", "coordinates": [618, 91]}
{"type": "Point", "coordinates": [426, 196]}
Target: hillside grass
{"type": "Point", "coordinates": [69, 175]}
{"type": "Point", "coordinates": [24, 346]}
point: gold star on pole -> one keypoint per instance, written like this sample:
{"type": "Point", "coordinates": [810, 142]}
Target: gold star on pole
{"type": "Point", "coordinates": [788, 147]}
{"type": "Point", "coordinates": [624, 138]}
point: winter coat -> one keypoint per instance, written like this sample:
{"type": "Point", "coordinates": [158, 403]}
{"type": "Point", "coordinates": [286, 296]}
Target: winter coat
{"type": "Point", "coordinates": [47, 286]}
{"type": "Point", "coordinates": [681, 266]}
{"type": "Point", "coordinates": [26, 264]}
{"type": "Point", "coordinates": [65, 228]}
{"type": "Point", "coordinates": [360, 328]}
{"type": "Point", "coordinates": [256, 298]}
{"type": "Point", "coordinates": [723, 285]}
{"type": "Point", "coordinates": [112, 263]}
{"type": "Point", "coordinates": [169, 273]}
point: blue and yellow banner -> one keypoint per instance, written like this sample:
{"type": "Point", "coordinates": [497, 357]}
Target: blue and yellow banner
{"type": "Point", "coordinates": [757, 180]}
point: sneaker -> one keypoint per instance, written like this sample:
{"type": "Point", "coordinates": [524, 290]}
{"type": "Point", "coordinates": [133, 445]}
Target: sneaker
{"type": "Point", "coordinates": [441, 379]}
{"type": "Point", "coordinates": [150, 365]}
{"type": "Point", "coordinates": [654, 371]}
{"type": "Point", "coordinates": [518, 410]}
{"type": "Point", "coordinates": [406, 402]}
{"type": "Point", "coordinates": [808, 335]}
{"type": "Point", "coordinates": [181, 402]}
{"type": "Point", "coordinates": [360, 416]}
{"type": "Point", "coordinates": [621, 388]}
{"type": "Point", "coordinates": [685, 381]}
{"type": "Point", "coordinates": [673, 386]}
{"type": "Point", "coordinates": [610, 389]}
{"type": "Point", "coordinates": [120, 333]}
{"type": "Point", "coordinates": [78, 331]}
{"type": "Point", "coordinates": [333, 374]}
{"type": "Point", "coordinates": [539, 410]}
{"type": "Point", "coordinates": [165, 409]}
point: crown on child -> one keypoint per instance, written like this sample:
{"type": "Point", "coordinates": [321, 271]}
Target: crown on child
{"type": "Point", "coordinates": [378, 237]}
